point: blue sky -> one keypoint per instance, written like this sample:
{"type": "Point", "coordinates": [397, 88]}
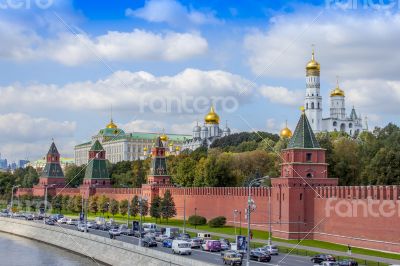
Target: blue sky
{"type": "Point", "coordinates": [65, 64]}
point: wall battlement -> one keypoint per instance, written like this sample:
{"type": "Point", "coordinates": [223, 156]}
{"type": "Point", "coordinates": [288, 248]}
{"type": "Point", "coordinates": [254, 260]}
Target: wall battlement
{"type": "Point", "coordinates": [359, 192]}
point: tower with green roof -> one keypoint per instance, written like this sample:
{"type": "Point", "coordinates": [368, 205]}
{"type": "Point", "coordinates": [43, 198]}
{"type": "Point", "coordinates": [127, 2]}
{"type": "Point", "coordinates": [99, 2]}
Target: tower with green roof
{"type": "Point", "coordinates": [52, 173]}
{"type": "Point", "coordinates": [303, 168]}
{"type": "Point", "coordinates": [96, 173]}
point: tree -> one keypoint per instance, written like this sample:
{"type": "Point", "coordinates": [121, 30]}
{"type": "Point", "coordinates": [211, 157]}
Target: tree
{"type": "Point", "coordinates": [71, 204]}
{"type": "Point", "coordinates": [78, 203]}
{"type": "Point", "coordinates": [56, 203]}
{"type": "Point", "coordinates": [145, 207]}
{"type": "Point", "coordinates": [135, 206]}
{"type": "Point", "coordinates": [93, 204]}
{"type": "Point", "coordinates": [114, 207]}
{"type": "Point", "coordinates": [64, 202]}
{"type": "Point", "coordinates": [185, 172]}
{"type": "Point", "coordinates": [346, 162]}
{"type": "Point", "coordinates": [168, 209]}
{"type": "Point", "coordinates": [123, 207]}
{"type": "Point", "coordinates": [74, 175]}
{"type": "Point", "coordinates": [139, 173]}
{"type": "Point", "coordinates": [103, 204]}
{"type": "Point", "coordinates": [155, 208]}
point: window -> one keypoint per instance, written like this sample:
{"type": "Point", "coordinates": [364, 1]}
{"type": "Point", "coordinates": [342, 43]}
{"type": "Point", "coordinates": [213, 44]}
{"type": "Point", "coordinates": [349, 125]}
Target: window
{"type": "Point", "coordinates": [309, 175]}
{"type": "Point", "coordinates": [308, 157]}
{"type": "Point", "coordinates": [334, 123]}
{"type": "Point", "coordinates": [350, 125]}
{"type": "Point", "coordinates": [301, 196]}
{"type": "Point", "coordinates": [306, 105]}
{"type": "Point", "coordinates": [318, 105]}
{"type": "Point", "coordinates": [312, 105]}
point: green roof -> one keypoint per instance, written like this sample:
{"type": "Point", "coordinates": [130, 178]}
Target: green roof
{"type": "Point", "coordinates": [303, 136]}
{"type": "Point", "coordinates": [96, 146]}
{"type": "Point", "coordinates": [96, 169]}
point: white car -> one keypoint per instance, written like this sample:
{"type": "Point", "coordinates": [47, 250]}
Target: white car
{"type": "Point", "coordinates": [62, 220]}
{"type": "Point", "coordinates": [272, 249]}
{"type": "Point", "coordinates": [161, 238]}
{"type": "Point", "coordinates": [114, 232]}
{"type": "Point", "coordinates": [72, 222]}
{"type": "Point", "coordinates": [328, 263]}
{"type": "Point", "coordinates": [181, 247]}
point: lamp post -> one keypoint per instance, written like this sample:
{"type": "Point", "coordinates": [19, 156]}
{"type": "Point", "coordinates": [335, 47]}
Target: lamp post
{"type": "Point", "coordinates": [45, 201]}
{"type": "Point", "coordinates": [12, 196]}
{"type": "Point", "coordinates": [240, 222]}
{"type": "Point", "coordinates": [234, 219]}
{"type": "Point", "coordinates": [250, 206]}
{"type": "Point", "coordinates": [195, 214]}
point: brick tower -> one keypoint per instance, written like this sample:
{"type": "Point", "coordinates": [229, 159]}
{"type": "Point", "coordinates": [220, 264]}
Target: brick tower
{"type": "Point", "coordinates": [96, 174]}
{"type": "Point", "coordinates": [158, 176]}
{"type": "Point", "coordinates": [52, 173]}
{"type": "Point", "coordinates": [303, 168]}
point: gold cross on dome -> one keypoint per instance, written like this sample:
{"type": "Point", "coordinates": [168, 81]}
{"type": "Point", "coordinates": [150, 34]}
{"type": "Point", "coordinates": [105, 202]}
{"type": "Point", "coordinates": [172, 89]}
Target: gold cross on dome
{"type": "Point", "coordinates": [302, 109]}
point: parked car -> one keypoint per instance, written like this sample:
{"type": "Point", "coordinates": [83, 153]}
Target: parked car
{"type": "Point", "coordinates": [271, 249]}
{"type": "Point", "coordinates": [224, 245]}
{"type": "Point", "coordinates": [167, 243]}
{"type": "Point", "coordinates": [114, 232]}
{"type": "Point", "coordinates": [149, 242]}
{"type": "Point", "coordinates": [62, 220]}
{"type": "Point", "coordinates": [260, 256]}
{"type": "Point", "coordinates": [49, 222]}
{"type": "Point", "coordinates": [195, 243]}
{"type": "Point", "coordinates": [161, 238]}
{"type": "Point", "coordinates": [212, 246]}
{"type": "Point", "coordinates": [204, 236]}
{"type": "Point", "coordinates": [348, 262]}
{"type": "Point", "coordinates": [181, 247]}
{"type": "Point", "coordinates": [322, 257]}
{"type": "Point", "coordinates": [183, 236]}
{"type": "Point", "coordinates": [232, 258]}
{"type": "Point", "coordinates": [29, 217]}
{"type": "Point", "coordinates": [139, 234]}
{"type": "Point", "coordinates": [328, 263]}
{"type": "Point", "coordinates": [81, 227]}
{"type": "Point", "coordinates": [72, 222]}
{"type": "Point", "coordinates": [149, 227]}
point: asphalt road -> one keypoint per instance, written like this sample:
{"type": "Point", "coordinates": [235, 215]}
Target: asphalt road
{"type": "Point", "coordinates": [282, 259]}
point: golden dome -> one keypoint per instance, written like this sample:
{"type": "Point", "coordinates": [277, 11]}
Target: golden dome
{"type": "Point", "coordinates": [337, 91]}
{"type": "Point", "coordinates": [171, 144]}
{"type": "Point", "coordinates": [145, 149]}
{"type": "Point", "coordinates": [313, 66]}
{"type": "Point", "coordinates": [286, 132]}
{"type": "Point", "coordinates": [212, 117]}
{"type": "Point", "coordinates": [164, 137]}
{"type": "Point", "coordinates": [111, 125]}
{"type": "Point", "coordinates": [177, 148]}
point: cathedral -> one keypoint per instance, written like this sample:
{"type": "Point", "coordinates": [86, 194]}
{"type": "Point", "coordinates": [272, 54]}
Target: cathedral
{"type": "Point", "coordinates": [204, 136]}
{"type": "Point", "coordinates": [338, 120]}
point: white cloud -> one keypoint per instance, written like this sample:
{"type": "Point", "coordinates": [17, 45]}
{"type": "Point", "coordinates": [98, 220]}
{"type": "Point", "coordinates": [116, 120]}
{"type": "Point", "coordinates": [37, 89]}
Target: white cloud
{"type": "Point", "coordinates": [22, 127]}
{"type": "Point", "coordinates": [157, 126]}
{"type": "Point", "coordinates": [282, 95]}
{"type": "Point", "coordinates": [23, 43]}
{"type": "Point", "coordinates": [173, 13]}
{"type": "Point", "coordinates": [351, 45]}
{"type": "Point", "coordinates": [187, 92]}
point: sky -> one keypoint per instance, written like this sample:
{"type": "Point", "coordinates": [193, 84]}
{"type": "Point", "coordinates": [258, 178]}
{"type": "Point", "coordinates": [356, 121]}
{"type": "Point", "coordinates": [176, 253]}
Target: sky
{"type": "Point", "coordinates": [154, 65]}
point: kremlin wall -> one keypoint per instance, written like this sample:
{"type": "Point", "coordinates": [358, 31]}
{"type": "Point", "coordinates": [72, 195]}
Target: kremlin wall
{"type": "Point", "coordinates": [305, 203]}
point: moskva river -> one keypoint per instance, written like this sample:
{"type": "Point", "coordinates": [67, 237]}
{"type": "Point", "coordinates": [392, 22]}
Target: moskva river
{"type": "Point", "coordinates": [19, 251]}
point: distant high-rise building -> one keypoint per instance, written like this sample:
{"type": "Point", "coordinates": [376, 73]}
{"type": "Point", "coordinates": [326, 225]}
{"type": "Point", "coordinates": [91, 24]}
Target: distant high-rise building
{"type": "Point", "coordinates": [22, 163]}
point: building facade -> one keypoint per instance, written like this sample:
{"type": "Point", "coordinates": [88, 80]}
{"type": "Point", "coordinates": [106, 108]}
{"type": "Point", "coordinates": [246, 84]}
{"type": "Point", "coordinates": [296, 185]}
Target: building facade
{"type": "Point", "coordinates": [204, 136]}
{"type": "Point", "coordinates": [120, 146]}
{"type": "Point", "coordinates": [338, 120]}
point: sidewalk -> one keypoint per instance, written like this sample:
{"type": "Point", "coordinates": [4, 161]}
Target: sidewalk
{"type": "Point", "coordinates": [314, 249]}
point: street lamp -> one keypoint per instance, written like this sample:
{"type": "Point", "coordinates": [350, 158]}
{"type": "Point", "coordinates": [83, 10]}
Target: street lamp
{"type": "Point", "coordinates": [251, 205]}
{"type": "Point", "coordinates": [12, 196]}
{"type": "Point", "coordinates": [45, 201]}
{"type": "Point", "coordinates": [195, 214]}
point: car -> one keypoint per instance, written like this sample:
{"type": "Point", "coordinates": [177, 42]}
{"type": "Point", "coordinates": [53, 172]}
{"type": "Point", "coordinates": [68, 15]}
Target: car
{"type": "Point", "coordinates": [260, 256]}
{"type": "Point", "coordinates": [232, 258]}
{"type": "Point", "coordinates": [29, 217]}
{"type": "Point", "coordinates": [91, 225]}
{"type": "Point", "coordinates": [271, 249]}
{"type": "Point", "coordinates": [62, 220]}
{"type": "Point", "coordinates": [49, 222]}
{"type": "Point", "coordinates": [149, 242]}
{"type": "Point", "coordinates": [348, 262]}
{"type": "Point", "coordinates": [161, 238]}
{"type": "Point", "coordinates": [114, 232]}
{"type": "Point", "coordinates": [212, 246]}
{"type": "Point", "coordinates": [224, 245]}
{"type": "Point", "coordinates": [139, 234]}
{"type": "Point", "coordinates": [183, 236]}
{"type": "Point", "coordinates": [123, 228]}
{"type": "Point", "coordinates": [72, 222]}
{"type": "Point", "coordinates": [82, 227]}
{"type": "Point", "coordinates": [328, 263]}
{"type": "Point", "coordinates": [167, 243]}
{"type": "Point", "coordinates": [195, 243]}
{"type": "Point", "coordinates": [322, 257]}
{"type": "Point", "coordinates": [181, 247]}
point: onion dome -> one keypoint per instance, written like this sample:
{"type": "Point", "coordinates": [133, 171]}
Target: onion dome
{"type": "Point", "coordinates": [337, 91]}
{"type": "Point", "coordinates": [164, 137]}
{"type": "Point", "coordinates": [177, 148]}
{"type": "Point", "coordinates": [204, 128]}
{"type": "Point", "coordinates": [312, 67]}
{"type": "Point", "coordinates": [111, 124]}
{"type": "Point", "coordinates": [197, 128]}
{"type": "Point", "coordinates": [212, 117]}
{"type": "Point", "coordinates": [286, 133]}
{"type": "Point", "coordinates": [171, 144]}
{"type": "Point", "coordinates": [145, 149]}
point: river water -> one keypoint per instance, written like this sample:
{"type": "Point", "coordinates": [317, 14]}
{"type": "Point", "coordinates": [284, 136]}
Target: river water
{"type": "Point", "coordinates": [19, 251]}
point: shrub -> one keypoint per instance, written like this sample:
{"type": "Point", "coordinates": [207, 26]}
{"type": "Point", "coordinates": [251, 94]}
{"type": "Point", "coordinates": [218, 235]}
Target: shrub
{"type": "Point", "coordinates": [197, 220]}
{"type": "Point", "coordinates": [217, 221]}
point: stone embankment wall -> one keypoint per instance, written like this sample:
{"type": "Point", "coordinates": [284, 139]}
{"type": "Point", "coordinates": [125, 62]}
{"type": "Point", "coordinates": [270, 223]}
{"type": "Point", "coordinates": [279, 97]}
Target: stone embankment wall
{"type": "Point", "coordinates": [101, 249]}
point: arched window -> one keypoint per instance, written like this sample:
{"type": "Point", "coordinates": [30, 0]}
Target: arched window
{"type": "Point", "coordinates": [309, 175]}
{"type": "Point", "coordinates": [301, 196]}
{"type": "Point", "coordinates": [306, 105]}
{"type": "Point", "coordinates": [318, 105]}
{"type": "Point", "coordinates": [343, 127]}
{"type": "Point", "coordinates": [312, 105]}
{"type": "Point", "coordinates": [350, 125]}
{"type": "Point", "coordinates": [334, 123]}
